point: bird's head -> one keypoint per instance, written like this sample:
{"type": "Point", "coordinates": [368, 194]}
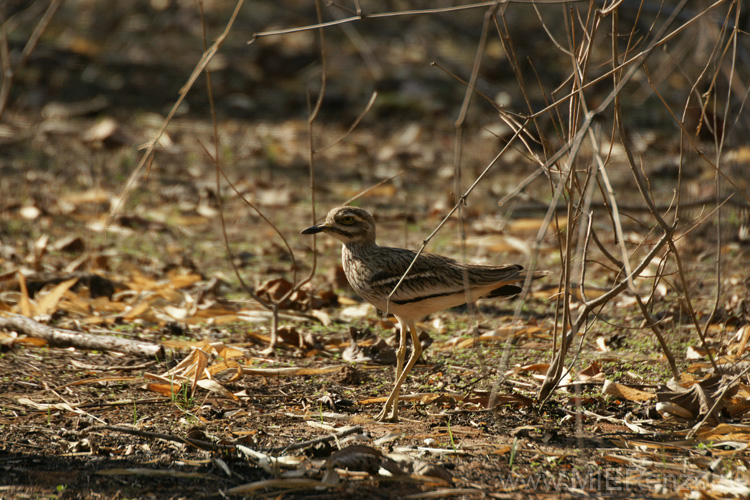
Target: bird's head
{"type": "Point", "coordinates": [347, 224]}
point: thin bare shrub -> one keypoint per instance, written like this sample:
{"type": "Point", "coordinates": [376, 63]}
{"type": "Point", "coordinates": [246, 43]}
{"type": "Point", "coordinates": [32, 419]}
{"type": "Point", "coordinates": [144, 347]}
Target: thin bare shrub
{"type": "Point", "coordinates": [609, 71]}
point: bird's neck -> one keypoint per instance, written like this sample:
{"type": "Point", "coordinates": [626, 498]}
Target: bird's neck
{"type": "Point", "coordinates": [357, 247]}
{"type": "Point", "coordinates": [354, 245]}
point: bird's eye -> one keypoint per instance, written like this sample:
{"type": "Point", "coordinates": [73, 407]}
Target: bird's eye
{"type": "Point", "coordinates": [347, 219]}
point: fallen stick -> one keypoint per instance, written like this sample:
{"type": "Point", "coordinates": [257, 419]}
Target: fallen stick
{"type": "Point", "coordinates": [323, 439]}
{"type": "Point", "coordinates": [60, 337]}
{"type": "Point", "coordinates": [198, 443]}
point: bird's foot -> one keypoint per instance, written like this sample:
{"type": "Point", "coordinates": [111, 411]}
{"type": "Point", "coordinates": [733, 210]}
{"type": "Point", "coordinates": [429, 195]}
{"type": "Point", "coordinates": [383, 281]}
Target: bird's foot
{"type": "Point", "coordinates": [269, 351]}
{"type": "Point", "coordinates": [387, 415]}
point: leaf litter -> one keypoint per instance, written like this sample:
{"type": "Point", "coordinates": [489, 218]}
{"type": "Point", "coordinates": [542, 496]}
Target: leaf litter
{"type": "Point", "coordinates": [229, 377]}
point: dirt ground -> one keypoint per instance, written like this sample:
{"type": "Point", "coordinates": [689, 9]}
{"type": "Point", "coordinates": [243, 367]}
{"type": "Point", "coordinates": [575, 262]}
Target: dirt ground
{"type": "Point", "coordinates": [216, 414]}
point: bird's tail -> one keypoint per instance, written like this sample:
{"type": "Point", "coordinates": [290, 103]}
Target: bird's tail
{"type": "Point", "coordinates": [510, 290]}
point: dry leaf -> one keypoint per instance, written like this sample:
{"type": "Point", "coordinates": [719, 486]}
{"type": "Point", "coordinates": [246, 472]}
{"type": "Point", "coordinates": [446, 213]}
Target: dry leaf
{"type": "Point", "coordinates": [164, 389]}
{"type": "Point", "coordinates": [136, 310]}
{"type": "Point", "coordinates": [532, 225]}
{"type": "Point", "coordinates": [364, 459]}
{"type": "Point", "coordinates": [223, 366]}
{"type": "Point", "coordinates": [697, 400]}
{"type": "Point", "coordinates": [726, 432]}
{"type": "Point", "coordinates": [625, 392]}
{"type": "Point", "coordinates": [48, 303]}
{"type": "Point", "coordinates": [290, 483]}
{"type": "Point", "coordinates": [215, 387]}
{"type": "Point", "coordinates": [697, 352]}
{"type": "Point", "coordinates": [70, 244]}
{"type": "Point", "coordinates": [366, 347]}
{"type": "Point", "coordinates": [29, 212]}
{"type": "Point", "coordinates": [291, 372]}
{"type": "Point", "coordinates": [358, 311]}
{"type": "Point", "coordinates": [592, 372]}
{"type": "Point", "coordinates": [24, 303]}
{"type": "Point", "coordinates": [275, 198]}
{"type": "Point", "coordinates": [8, 339]}
{"type": "Point", "coordinates": [740, 340]}
{"type": "Point", "coordinates": [540, 368]}
{"type": "Point", "coordinates": [499, 243]}
{"type": "Point", "coordinates": [100, 131]}
{"type": "Point", "coordinates": [427, 469]}
{"type": "Point", "coordinates": [153, 473]}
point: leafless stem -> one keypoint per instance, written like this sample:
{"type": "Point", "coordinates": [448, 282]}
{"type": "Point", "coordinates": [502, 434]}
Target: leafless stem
{"type": "Point", "coordinates": [378, 15]}
{"type": "Point", "coordinates": [669, 229]}
{"type": "Point", "coordinates": [220, 172]}
{"type": "Point", "coordinates": [555, 370]}
{"type": "Point", "coordinates": [8, 70]}
{"type": "Point", "coordinates": [6, 63]}
{"type": "Point", "coordinates": [719, 400]}
{"type": "Point", "coordinates": [354, 124]}
{"type": "Point", "coordinates": [272, 304]}
{"type": "Point", "coordinates": [460, 201]}
{"type": "Point", "coordinates": [369, 189]}
{"type": "Point", "coordinates": [150, 146]}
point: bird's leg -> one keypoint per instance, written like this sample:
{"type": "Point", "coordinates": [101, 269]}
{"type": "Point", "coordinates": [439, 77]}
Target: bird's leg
{"type": "Point", "coordinates": [388, 414]}
{"type": "Point", "coordinates": [416, 352]}
{"type": "Point", "coordinates": [390, 410]}
{"type": "Point", "coordinates": [401, 352]}
{"type": "Point", "coordinates": [269, 351]}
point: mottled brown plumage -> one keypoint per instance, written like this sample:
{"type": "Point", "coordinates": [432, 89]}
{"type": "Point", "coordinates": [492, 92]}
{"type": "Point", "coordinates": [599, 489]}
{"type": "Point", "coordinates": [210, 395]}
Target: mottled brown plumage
{"type": "Point", "coordinates": [434, 282]}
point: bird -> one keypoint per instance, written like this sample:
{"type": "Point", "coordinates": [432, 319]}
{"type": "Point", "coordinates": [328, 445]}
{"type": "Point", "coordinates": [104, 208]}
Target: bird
{"type": "Point", "coordinates": [433, 283]}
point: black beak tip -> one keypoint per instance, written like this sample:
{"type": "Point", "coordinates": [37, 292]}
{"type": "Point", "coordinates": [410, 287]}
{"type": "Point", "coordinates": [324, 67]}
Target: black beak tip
{"type": "Point", "coordinates": [313, 230]}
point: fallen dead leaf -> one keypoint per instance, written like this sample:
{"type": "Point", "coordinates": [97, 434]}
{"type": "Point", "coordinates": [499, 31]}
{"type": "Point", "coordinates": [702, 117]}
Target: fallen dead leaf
{"type": "Point", "coordinates": [499, 243]}
{"type": "Point", "coordinates": [623, 391]}
{"type": "Point", "coordinates": [48, 303]}
{"type": "Point", "coordinates": [29, 212]}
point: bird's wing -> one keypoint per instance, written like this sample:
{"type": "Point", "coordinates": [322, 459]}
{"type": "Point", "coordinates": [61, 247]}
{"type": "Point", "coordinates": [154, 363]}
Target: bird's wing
{"type": "Point", "coordinates": [434, 276]}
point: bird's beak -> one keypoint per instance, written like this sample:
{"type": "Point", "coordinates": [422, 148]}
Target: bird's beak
{"type": "Point", "coordinates": [315, 229]}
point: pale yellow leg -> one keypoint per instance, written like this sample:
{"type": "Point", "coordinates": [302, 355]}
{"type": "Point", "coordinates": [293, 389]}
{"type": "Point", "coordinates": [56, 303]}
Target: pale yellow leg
{"type": "Point", "coordinates": [401, 351]}
{"type": "Point", "coordinates": [270, 350]}
{"type": "Point", "coordinates": [389, 413]}
{"type": "Point", "coordinates": [386, 413]}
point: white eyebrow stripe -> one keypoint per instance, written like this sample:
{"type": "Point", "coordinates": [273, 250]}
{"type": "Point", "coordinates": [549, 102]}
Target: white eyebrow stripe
{"type": "Point", "coordinates": [353, 216]}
